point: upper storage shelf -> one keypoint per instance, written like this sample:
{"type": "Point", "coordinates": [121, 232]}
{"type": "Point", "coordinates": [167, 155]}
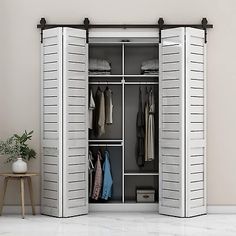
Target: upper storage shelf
{"type": "Point", "coordinates": [111, 54]}
{"type": "Point", "coordinates": [136, 54]}
{"type": "Point", "coordinates": [124, 57]}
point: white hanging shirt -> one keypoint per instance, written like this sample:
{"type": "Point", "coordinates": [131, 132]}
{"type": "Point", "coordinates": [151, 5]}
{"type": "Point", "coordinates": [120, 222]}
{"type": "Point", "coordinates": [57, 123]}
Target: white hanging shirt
{"type": "Point", "coordinates": [91, 109]}
{"type": "Point", "coordinates": [108, 106]}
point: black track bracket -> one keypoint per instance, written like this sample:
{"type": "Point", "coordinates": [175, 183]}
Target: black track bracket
{"type": "Point", "coordinates": [43, 24]}
{"type": "Point", "coordinates": [86, 27]}
{"type": "Point", "coordinates": [160, 24]}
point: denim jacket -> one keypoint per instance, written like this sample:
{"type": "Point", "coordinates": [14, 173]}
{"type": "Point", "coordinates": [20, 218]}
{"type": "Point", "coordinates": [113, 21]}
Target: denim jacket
{"type": "Point", "coordinates": [107, 179]}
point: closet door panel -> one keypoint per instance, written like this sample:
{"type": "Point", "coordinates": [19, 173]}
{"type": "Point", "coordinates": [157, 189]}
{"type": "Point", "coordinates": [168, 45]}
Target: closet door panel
{"type": "Point", "coordinates": [51, 122]}
{"type": "Point", "coordinates": [80, 92]}
{"type": "Point", "coordinates": [50, 58]}
{"type": "Point", "coordinates": [171, 185]}
{"type": "Point", "coordinates": [76, 58]}
{"type": "Point", "coordinates": [75, 70]}
{"type": "Point", "coordinates": [79, 66]}
{"type": "Point", "coordinates": [73, 160]}
{"type": "Point", "coordinates": [50, 91]}
{"type": "Point", "coordinates": [73, 168]}
{"type": "Point", "coordinates": [76, 83]}
{"type": "Point", "coordinates": [195, 122]}
{"type": "Point", "coordinates": [49, 83]}
{"type": "Point", "coordinates": [170, 58]}
{"type": "Point", "coordinates": [50, 49]}
{"type": "Point", "coordinates": [171, 123]}
{"type": "Point", "coordinates": [76, 49]}
{"type": "Point", "coordinates": [76, 126]}
{"type": "Point", "coordinates": [171, 92]}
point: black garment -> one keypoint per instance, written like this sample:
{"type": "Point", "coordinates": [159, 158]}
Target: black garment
{"type": "Point", "coordinates": [97, 100]}
{"type": "Point", "coordinates": [140, 153]}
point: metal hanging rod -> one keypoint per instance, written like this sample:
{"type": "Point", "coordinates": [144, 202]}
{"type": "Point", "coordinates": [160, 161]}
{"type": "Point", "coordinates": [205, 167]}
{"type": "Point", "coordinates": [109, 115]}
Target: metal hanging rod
{"type": "Point", "coordinates": [141, 83]}
{"type": "Point", "coordinates": [105, 145]}
{"type": "Point", "coordinates": [160, 25]}
{"type": "Point", "coordinates": [119, 83]}
{"type": "Point", "coordinates": [105, 83]}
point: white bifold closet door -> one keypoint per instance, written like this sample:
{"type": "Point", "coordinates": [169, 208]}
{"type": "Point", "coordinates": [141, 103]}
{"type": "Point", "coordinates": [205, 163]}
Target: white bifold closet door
{"type": "Point", "coordinates": [182, 122]}
{"type": "Point", "coordinates": [64, 133]}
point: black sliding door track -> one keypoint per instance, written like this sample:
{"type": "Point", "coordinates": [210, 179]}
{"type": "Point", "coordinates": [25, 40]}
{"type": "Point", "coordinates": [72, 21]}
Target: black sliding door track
{"type": "Point", "coordinates": [160, 25]}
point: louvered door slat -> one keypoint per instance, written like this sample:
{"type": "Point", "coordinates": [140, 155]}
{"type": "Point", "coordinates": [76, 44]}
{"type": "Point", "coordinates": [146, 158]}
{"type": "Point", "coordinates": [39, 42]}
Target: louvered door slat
{"type": "Point", "coordinates": [75, 123]}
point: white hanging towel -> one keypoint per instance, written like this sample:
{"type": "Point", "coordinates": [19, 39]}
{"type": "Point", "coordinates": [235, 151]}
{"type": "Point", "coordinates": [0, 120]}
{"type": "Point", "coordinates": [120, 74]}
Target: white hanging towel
{"type": "Point", "coordinates": [151, 128]}
{"type": "Point", "coordinates": [91, 109]}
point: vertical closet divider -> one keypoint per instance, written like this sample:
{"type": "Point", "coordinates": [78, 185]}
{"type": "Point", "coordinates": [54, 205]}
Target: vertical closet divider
{"type": "Point", "coordinates": [123, 123]}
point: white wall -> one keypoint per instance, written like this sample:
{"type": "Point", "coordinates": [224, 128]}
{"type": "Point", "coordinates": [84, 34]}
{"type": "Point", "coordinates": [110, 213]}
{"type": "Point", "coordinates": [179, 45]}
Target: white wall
{"type": "Point", "coordinates": [20, 71]}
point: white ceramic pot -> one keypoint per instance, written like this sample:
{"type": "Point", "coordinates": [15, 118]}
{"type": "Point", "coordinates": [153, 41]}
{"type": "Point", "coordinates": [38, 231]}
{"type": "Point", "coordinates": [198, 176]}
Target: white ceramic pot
{"type": "Point", "coordinates": [19, 166]}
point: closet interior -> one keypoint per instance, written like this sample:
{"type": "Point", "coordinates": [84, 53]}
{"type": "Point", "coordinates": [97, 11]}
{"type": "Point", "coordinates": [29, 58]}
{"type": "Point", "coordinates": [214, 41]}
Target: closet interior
{"type": "Point", "coordinates": [125, 73]}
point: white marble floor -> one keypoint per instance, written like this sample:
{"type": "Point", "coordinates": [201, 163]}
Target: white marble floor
{"type": "Point", "coordinates": [109, 224]}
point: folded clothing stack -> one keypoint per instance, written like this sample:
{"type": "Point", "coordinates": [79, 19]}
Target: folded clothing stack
{"type": "Point", "coordinates": [150, 67]}
{"type": "Point", "coordinates": [99, 67]}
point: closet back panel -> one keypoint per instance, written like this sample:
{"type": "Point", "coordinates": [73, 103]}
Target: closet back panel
{"type": "Point", "coordinates": [114, 130]}
{"type": "Point", "coordinates": [131, 110]}
{"type": "Point", "coordinates": [113, 54]}
{"type": "Point", "coordinates": [142, 182]}
{"type": "Point", "coordinates": [135, 55]}
{"type": "Point", "coordinates": [116, 170]}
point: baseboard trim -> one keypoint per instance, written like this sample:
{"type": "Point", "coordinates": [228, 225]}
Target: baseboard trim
{"type": "Point", "coordinates": [13, 209]}
{"type": "Point", "coordinates": [127, 207]}
{"type": "Point", "coordinates": [221, 209]}
{"type": "Point", "coordinates": [211, 209]}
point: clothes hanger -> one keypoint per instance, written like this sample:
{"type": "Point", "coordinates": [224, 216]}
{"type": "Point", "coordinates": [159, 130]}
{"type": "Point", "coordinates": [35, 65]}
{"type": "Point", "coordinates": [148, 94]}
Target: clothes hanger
{"type": "Point", "coordinates": [106, 148]}
{"type": "Point", "coordinates": [99, 153]}
{"type": "Point", "coordinates": [150, 91]}
{"type": "Point", "coordinates": [90, 160]}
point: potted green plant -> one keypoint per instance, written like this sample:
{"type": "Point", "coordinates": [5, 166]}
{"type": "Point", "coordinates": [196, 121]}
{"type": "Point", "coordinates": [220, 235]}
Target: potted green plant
{"type": "Point", "coordinates": [17, 151]}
